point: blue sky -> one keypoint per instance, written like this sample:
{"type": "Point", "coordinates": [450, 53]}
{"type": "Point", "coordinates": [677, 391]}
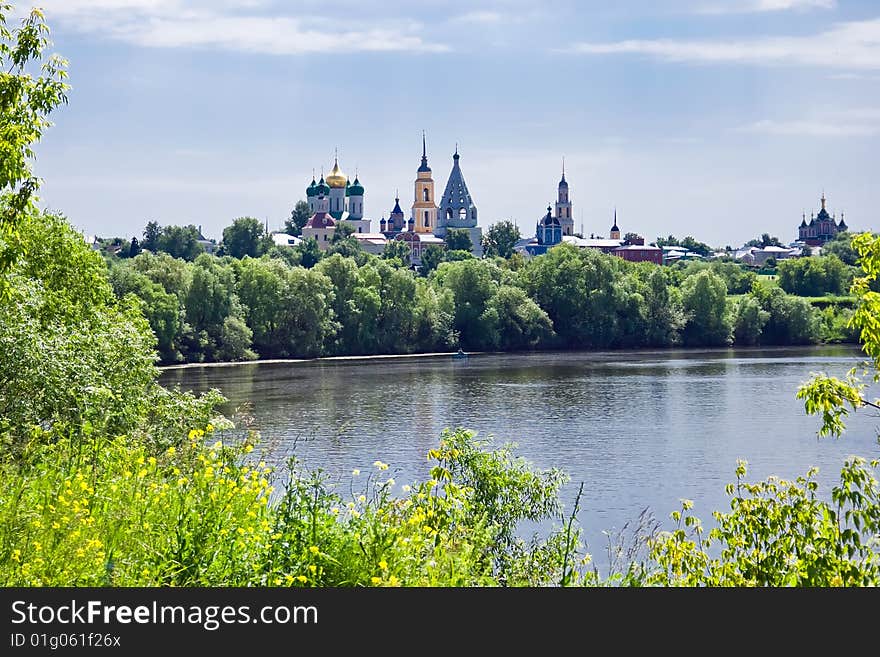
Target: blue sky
{"type": "Point", "coordinates": [720, 119]}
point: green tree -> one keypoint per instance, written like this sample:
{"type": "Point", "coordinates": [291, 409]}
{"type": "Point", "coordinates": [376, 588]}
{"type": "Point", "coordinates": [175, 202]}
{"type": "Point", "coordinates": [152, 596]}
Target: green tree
{"type": "Point", "coordinates": [298, 218]}
{"type": "Point", "coordinates": [346, 244]}
{"type": "Point", "coordinates": [431, 259]}
{"type": "Point", "coordinates": [458, 240]}
{"type": "Point", "coordinates": [72, 356]}
{"type": "Point", "coordinates": [698, 247]}
{"type": "Point", "coordinates": [472, 283]}
{"type": "Point", "coordinates": [664, 316]}
{"type": "Point", "coordinates": [397, 250]}
{"type": "Point", "coordinates": [152, 232]}
{"type": "Point", "coordinates": [180, 242]}
{"type": "Point", "coordinates": [514, 321]}
{"type": "Point", "coordinates": [500, 239]}
{"type": "Point", "coordinates": [289, 309]}
{"type": "Point", "coordinates": [343, 231]}
{"type": "Point", "coordinates": [814, 276]}
{"type": "Point", "coordinates": [841, 246]}
{"type": "Point", "coordinates": [766, 240]}
{"type": "Point", "coordinates": [748, 321]}
{"type": "Point", "coordinates": [244, 238]}
{"type": "Point", "coordinates": [25, 104]}
{"type": "Point", "coordinates": [355, 305]}
{"type": "Point", "coordinates": [792, 319]}
{"type": "Point", "coordinates": [309, 252]}
{"type": "Point", "coordinates": [704, 299]}
{"type": "Point", "coordinates": [161, 309]}
{"type": "Point", "coordinates": [578, 291]}
{"type": "Point", "coordinates": [235, 340]}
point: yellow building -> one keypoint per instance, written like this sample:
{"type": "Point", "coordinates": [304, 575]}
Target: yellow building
{"type": "Point", "coordinates": [424, 211]}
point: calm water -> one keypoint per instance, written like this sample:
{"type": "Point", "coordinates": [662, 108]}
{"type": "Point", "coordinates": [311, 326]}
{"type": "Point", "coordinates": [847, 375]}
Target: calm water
{"type": "Point", "coordinates": [640, 429]}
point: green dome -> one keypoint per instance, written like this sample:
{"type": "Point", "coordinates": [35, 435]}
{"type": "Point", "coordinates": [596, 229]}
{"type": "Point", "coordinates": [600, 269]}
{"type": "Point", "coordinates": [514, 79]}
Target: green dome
{"type": "Point", "coordinates": [312, 190]}
{"type": "Point", "coordinates": [322, 188]}
{"type": "Point", "coordinates": [356, 188]}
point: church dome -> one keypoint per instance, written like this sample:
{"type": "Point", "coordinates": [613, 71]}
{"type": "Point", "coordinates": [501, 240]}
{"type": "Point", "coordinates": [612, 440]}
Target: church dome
{"type": "Point", "coordinates": [312, 190]}
{"type": "Point", "coordinates": [356, 188]}
{"type": "Point", "coordinates": [322, 188]}
{"type": "Point", "coordinates": [336, 179]}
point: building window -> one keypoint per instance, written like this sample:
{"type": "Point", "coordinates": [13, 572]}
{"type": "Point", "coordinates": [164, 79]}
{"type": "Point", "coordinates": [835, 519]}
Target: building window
{"type": "Point", "coordinates": [426, 219]}
{"type": "Point", "coordinates": [325, 237]}
{"type": "Point", "coordinates": [425, 191]}
{"type": "Point", "coordinates": [360, 230]}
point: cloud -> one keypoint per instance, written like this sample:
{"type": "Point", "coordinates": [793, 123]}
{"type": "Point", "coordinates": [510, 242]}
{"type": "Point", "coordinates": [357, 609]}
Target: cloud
{"type": "Point", "coordinates": [479, 17]}
{"type": "Point", "coordinates": [230, 25]}
{"type": "Point", "coordinates": [763, 6]}
{"type": "Point", "coordinates": [853, 45]}
{"type": "Point", "coordinates": [853, 123]}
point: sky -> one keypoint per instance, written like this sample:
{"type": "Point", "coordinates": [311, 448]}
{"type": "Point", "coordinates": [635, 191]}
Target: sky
{"type": "Point", "coordinates": [719, 119]}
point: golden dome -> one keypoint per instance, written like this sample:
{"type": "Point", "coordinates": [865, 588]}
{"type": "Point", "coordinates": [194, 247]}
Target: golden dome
{"type": "Point", "coordinates": [336, 177]}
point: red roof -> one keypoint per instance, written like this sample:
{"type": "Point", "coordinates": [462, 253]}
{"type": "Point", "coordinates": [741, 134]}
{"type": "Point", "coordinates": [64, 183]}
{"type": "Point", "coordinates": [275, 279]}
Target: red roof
{"type": "Point", "coordinates": [320, 220]}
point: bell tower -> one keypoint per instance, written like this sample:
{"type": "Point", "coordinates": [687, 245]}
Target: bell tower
{"type": "Point", "coordinates": [424, 211]}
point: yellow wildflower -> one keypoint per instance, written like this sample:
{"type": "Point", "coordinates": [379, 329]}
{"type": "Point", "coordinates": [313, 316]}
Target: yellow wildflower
{"type": "Point", "coordinates": [314, 549]}
{"type": "Point", "coordinates": [376, 580]}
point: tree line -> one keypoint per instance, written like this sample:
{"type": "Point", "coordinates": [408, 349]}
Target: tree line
{"type": "Point", "coordinates": [300, 302]}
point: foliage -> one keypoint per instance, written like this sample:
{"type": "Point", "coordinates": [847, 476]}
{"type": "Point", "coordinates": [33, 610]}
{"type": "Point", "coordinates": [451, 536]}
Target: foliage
{"type": "Point", "coordinates": [841, 246]}
{"type": "Point", "coordinates": [25, 104]}
{"type": "Point", "coordinates": [472, 285]}
{"type": "Point", "coordinates": [688, 243]}
{"type": "Point", "coordinates": [70, 355]}
{"type": "Point", "coordinates": [814, 276]}
{"type": "Point", "coordinates": [244, 237]}
{"type": "Point", "coordinates": [749, 320]}
{"type": "Point", "coordinates": [778, 533]}
{"type": "Point", "coordinates": [766, 240]}
{"type": "Point", "coordinates": [458, 239]}
{"type": "Point", "coordinates": [309, 252]}
{"type": "Point", "coordinates": [398, 251]}
{"type": "Point", "coordinates": [500, 239]}
{"type": "Point", "coordinates": [514, 321]}
{"type": "Point", "coordinates": [704, 299]}
{"type": "Point", "coordinates": [791, 320]}
{"type": "Point", "coordinates": [431, 258]}
{"type": "Point", "coordinates": [299, 216]}
{"type": "Point", "coordinates": [179, 242]}
{"type": "Point", "coordinates": [737, 277]}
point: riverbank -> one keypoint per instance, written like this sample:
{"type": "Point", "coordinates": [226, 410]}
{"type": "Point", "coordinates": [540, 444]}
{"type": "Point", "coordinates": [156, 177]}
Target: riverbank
{"type": "Point", "coordinates": [597, 353]}
{"type": "Point", "coordinates": [264, 361]}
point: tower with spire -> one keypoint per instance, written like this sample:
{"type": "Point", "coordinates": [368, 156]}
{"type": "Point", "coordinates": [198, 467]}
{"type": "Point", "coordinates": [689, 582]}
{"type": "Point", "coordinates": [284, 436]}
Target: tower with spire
{"type": "Point", "coordinates": [615, 231]}
{"type": "Point", "coordinates": [424, 211]}
{"type": "Point", "coordinates": [457, 210]}
{"type": "Point", "coordinates": [563, 205]}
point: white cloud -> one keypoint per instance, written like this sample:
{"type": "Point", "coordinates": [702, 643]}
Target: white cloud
{"type": "Point", "coordinates": [228, 24]}
{"type": "Point", "coordinates": [763, 6]}
{"type": "Point", "coordinates": [850, 123]}
{"type": "Point", "coordinates": [854, 45]}
{"type": "Point", "coordinates": [479, 17]}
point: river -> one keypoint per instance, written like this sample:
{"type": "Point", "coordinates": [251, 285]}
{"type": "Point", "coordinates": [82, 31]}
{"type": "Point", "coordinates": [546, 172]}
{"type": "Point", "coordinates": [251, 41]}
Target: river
{"type": "Point", "coordinates": [640, 429]}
